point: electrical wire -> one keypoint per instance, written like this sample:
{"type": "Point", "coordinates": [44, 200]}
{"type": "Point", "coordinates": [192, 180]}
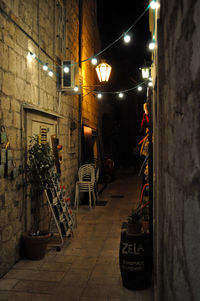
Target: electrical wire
{"type": "Point", "coordinates": [121, 36]}
{"type": "Point", "coordinates": [109, 45]}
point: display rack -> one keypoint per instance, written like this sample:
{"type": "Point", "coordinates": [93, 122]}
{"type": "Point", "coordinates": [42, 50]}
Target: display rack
{"type": "Point", "coordinates": [63, 217]}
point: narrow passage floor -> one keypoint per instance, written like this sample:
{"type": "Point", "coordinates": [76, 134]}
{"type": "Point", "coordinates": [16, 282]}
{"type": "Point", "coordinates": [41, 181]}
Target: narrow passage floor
{"type": "Point", "coordinates": [87, 267]}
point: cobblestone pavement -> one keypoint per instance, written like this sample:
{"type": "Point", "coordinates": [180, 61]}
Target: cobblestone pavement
{"type": "Point", "coordinates": [87, 267]}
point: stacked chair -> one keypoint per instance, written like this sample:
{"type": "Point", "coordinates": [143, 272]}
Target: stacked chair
{"type": "Point", "coordinates": [88, 178]}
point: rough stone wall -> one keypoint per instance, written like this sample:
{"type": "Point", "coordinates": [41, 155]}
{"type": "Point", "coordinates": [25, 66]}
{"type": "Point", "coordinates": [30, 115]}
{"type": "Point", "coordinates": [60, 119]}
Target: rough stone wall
{"type": "Point", "coordinates": [177, 159]}
{"type": "Point", "coordinates": [90, 37]}
{"type": "Point", "coordinates": [26, 25]}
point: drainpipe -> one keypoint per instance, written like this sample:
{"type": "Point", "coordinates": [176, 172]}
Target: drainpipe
{"type": "Point", "coordinates": [80, 3]}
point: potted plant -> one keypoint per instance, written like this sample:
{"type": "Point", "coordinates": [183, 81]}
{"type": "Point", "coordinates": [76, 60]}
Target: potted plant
{"type": "Point", "coordinates": [134, 221]}
{"type": "Point", "coordinates": [39, 175]}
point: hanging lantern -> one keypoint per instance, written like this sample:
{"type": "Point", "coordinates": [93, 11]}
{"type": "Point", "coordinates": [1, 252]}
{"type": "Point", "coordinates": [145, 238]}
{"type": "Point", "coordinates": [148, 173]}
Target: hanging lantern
{"type": "Point", "coordinates": [103, 71]}
{"type": "Point", "coordinates": [145, 72]}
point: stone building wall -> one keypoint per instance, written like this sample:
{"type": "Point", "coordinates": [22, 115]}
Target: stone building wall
{"type": "Point", "coordinates": [26, 89]}
{"type": "Point", "coordinates": [176, 153]}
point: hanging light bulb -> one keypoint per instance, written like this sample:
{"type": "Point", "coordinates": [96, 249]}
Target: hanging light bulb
{"type": "Point", "coordinates": [152, 45]}
{"type": "Point", "coordinates": [99, 95]}
{"type": "Point", "coordinates": [139, 88]}
{"type": "Point", "coordinates": [50, 73]}
{"type": "Point", "coordinates": [150, 84]}
{"type": "Point", "coordinates": [94, 61]}
{"type": "Point", "coordinates": [76, 89]}
{"type": "Point", "coordinates": [127, 38]}
{"type": "Point", "coordinates": [31, 55]}
{"type": "Point", "coordinates": [121, 95]}
{"type": "Point", "coordinates": [154, 5]}
{"type": "Point", "coordinates": [66, 69]}
{"type": "Point", "coordinates": [45, 67]}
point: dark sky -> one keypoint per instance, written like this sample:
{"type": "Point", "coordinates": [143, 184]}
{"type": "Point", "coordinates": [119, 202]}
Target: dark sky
{"type": "Point", "coordinates": [115, 17]}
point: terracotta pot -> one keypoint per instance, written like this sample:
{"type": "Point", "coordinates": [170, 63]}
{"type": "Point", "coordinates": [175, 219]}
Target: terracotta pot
{"type": "Point", "coordinates": [134, 228]}
{"type": "Point", "coordinates": [35, 246]}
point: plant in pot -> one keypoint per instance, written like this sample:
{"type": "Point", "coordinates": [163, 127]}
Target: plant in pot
{"type": "Point", "coordinates": [134, 221]}
{"type": "Point", "coordinates": [39, 175]}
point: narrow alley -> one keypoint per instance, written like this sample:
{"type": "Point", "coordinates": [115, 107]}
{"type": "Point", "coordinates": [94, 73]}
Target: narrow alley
{"type": "Point", "coordinates": [87, 267]}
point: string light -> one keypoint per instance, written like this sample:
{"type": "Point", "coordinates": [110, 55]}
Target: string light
{"type": "Point", "coordinates": [154, 5]}
{"type": "Point", "coordinates": [31, 56]}
{"type": "Point", "coordinates": [127, 38]}
{"type": "Point", "coordinates": [45, 67]}
{"type": "Point", "coordinates": [66, 69]}
{"type": "Point", "coordinates": [124, 35]}
{"type": "Point", "coordinates": [152, 45]}
{"type": "Point", "coordinates": [99, 95]}
{"type": "Point", "coordinates": [50, 73]}
{"type": "Point", "coordinates": [94, 61]}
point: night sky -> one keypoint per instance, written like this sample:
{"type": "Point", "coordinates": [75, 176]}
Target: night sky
{"type": "Point", "coordinates": [114, 18]}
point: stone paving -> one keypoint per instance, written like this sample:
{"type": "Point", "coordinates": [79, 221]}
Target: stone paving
{"type": "Point", "coordinates": [87, 267]}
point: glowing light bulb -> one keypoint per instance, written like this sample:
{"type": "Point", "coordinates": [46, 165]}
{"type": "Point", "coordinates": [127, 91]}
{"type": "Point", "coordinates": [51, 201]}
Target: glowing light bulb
{"type": "Point", "coordinates": [127, 38]}
{"type": "Point", "coordinates": [94, 61]}
{"type": "Point", "coordinates": [66, 69]}
{"type": "Point", "coordinates": [31, 55]}
{"type": "Point", "coordinates": [45, 67]}
{"type": "Point", "coordinates": [152, 45]}
{"type": "Point", "coordinates": [99, 95]}
{"type": "Point", "coordinates": [50, 73]}
{"type": "Point", "coordinates": [76, 89]}
{"type": "Point", "coordinates": [139, 88]}
{"type": "Point", "coordinates": [154, 5]}
{"type": "Point", "coordinates": [150, 84]}
{"type": "Point", "coordinates": [121, 95]}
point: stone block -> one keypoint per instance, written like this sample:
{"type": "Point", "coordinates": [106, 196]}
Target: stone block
{"type": "Point", "coordinates": [2, 200]}
{"type": "Point", "coordinates": [8, 118]}
{"type": "Point", "coordinates": [6, 103]}
{"type": "Point", "coordinates": [20, 86]}
{"type": "Point", "coordinates": [9, 41]}
{"type": "Point", "coordinates": [21, 67]}
{"type": "Point", "coordinates": [11, 61]}
{"type": "Point", "coordinates": [9, 84]}
{"type": "Point", "coordinates": [27, 92]}
{"type": "Point", "coordinates": [16, 120]}
{"type": "Point", "coordinates": [6, 233]}
{"type": "Point", "coordinates": [4, 54]}
{"type": "Point", "coordinates": [21, 39]}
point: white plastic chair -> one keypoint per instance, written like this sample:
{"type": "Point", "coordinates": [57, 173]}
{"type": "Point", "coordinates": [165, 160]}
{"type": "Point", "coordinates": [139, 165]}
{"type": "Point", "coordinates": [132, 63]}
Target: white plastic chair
{"type": "Point", "coordinates": [86, 183]}
{"type": "Point", "coordinates": [96, 173]}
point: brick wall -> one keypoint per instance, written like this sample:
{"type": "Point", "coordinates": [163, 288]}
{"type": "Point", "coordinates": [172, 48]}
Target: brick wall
{"type": "Point", "coordinates": [176, 153]}
{"type": "Point", "coordinates": [37, 26]}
